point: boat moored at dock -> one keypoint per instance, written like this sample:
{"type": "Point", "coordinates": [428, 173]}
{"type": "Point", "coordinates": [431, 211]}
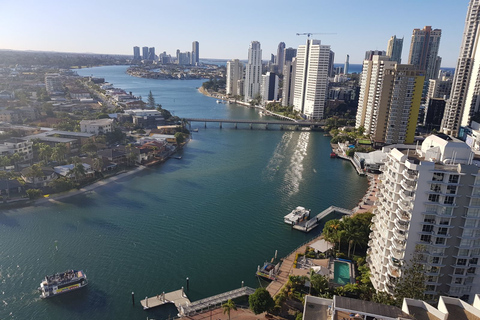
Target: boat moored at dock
{"type": "Point", "coordinates": [62, 282]}
{"type": "Point", "coordinates": [298, 215]}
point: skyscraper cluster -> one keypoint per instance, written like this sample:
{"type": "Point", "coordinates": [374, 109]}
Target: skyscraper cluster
{"type": "Point", "coordinates": [182, 58]}
{"type": "Point", "coordinates": [305, 77]}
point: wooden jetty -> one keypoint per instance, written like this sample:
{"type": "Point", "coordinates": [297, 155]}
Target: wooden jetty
{"type": "Point", "coordinates": [311, 224]}
{"type": "Point", "coordinates": [187, 308]}
{"type": "Point", "coordinates": [177, 297]}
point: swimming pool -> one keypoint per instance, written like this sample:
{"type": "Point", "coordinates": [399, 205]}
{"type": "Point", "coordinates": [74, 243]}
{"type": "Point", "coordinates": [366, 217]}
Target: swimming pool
{"type": "Point", "coordinates": [341, 272]}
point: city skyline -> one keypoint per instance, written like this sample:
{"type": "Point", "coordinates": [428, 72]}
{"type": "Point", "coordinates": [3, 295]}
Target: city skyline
{"type": "Point", "coordinates": [100, 27]}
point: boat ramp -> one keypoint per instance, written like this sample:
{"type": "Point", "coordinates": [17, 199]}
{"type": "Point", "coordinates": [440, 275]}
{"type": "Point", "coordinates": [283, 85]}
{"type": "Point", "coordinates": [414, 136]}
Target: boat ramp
{"type": "Point", "coordinates": [187, 308]}
{"type": "Point", "coordinates": [308, 225]}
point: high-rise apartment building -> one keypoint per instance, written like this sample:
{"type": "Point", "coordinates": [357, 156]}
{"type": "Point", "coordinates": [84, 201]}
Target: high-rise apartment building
{"type": "Point", "coordinates": [463, 101]}
{"type": "Point", "coordinates": [290, 53]}
{"type": "Point", "coordinates": [151, 53]}
{"type": "Point", "coordinates": [195, 56]}
{"type": "Point", "coordinates": [389, 100]}
{"type": "Point", "coordinates": [136, 53]}
{"type": "Point", "coordinates": [347, 64]}
{"type": "Point", "coordinates": [253, 71]}
{"type": "Point", "coordinates": [394, 49]}
{"type": "Point", "coordinates": [269, 87]}
{"type": "Point", "coordinates": [424, 52]}
{"type": "Point", "coordinates": [145, 53]}
{"type": "Point", "coordinates": [280, 57]}
{"type": "Point", "coordinates": [428, 205]}
{"type": "Point", "coordinates": [331, 64]}
{"type": "Point", "coordinates": [234, 73]}
{"type": "Point", "coordinates": [311, 79]}
{"type": "Point", "coordinates": [370, 53]}
{"type": "Point", "coordinates": [288, 82]}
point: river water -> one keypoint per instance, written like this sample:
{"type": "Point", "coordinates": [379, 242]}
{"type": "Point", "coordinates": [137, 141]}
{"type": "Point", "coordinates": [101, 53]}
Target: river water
{"type": "Point", "coordinates": [212, 216]}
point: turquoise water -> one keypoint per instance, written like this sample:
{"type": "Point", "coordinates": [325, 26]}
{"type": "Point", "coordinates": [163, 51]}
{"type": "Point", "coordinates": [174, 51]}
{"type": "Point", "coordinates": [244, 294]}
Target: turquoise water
{"type": "Point", "coordinates": [341, 273]}
{"type": "Point", "coordinates": [212, 216]}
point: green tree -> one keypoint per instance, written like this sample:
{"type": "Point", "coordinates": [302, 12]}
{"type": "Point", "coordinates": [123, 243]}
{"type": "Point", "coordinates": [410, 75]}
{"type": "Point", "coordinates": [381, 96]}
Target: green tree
{"type": "Point", "coordinates": [59, 152]}
{"type": "Point", "coordinates": [34, 193]}
{"type": "Point", "coordinates": [97, 164]}
{"type": "Point", "coordinates": [151, 100]}
{"type": "Point", "coordinates": [35, 171]}
{"type": "Point", "coordinates": [44, 152]}
{"type": "Point", "coordinates": [179, 137]}
{"type": "Point", "coordinates": [319, 283]}
{"type": "Point", "coordinates": [5, 161]}
{"type": "Point", "coordinates": [260, 301]}
{"type": "Point", "coordinates": [228, 306]}
{"type": "Point", "coordinates": [411, 283]}
{"type": "Point", "coordinates": [61, 184]}
{"type": "Point", "coordinates": [16, 158]}
{"type": "Point", "coordinates": [77, 171]}
{"type": "Point", "coordinates": [89, 147]}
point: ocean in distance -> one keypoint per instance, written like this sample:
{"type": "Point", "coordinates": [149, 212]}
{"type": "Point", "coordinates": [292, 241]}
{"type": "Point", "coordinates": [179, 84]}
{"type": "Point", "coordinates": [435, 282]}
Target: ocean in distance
{"type": "Point", "coordinates": [212, 216]}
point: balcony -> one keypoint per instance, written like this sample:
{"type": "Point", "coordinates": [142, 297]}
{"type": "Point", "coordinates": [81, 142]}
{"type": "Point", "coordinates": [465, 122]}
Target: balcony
{"type": "Point", "coordinates": [399, 235]}
{"type": "Point", "coordinates": [404, 205]}
{"type": "Point", "coordinates": [401, 225]}
{"type": "Point", "coordinates": [393, 271]}
{"type": "Point", "coordinates": [407, 186]}
{"type": "Point", "coordinates": [406, 195]}
{"type": "Point", "coordinates": [398, 244]}
{"type": "Point", "coordinates": [409, 176]}
{"type": "Point", "coordinates": [397, 254]}
{"type": "Point", "coordinates": [403, 215]}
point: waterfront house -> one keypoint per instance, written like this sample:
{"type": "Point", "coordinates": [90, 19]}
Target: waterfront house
{"type": "Point", "coordinates": [65, 171]}
{"type": "Point", "coordinates": [48, 175]}
{"type": "Point", "coordinates": [10, 187]}
{"type": "Point", "coordinates": [115, 155]}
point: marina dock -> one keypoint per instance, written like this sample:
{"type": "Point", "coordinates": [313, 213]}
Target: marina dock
{"type": "Point", "coordinates": [177, 297]}
{"type": "Point", "coordinates": [311, 224]}
{"type": "Point", "coordinates": [187, 308]}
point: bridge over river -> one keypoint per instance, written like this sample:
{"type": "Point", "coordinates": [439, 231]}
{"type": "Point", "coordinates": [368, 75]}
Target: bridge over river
{"type": "Point", "coordinates": [282, 124]}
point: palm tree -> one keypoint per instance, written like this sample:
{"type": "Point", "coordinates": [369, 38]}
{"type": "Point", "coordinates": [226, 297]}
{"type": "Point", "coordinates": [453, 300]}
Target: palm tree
{"type": "Point", "coordinates": [97, 164]}
{"type": "Point", "coordinates": [45, 152]}
{"type": "Point", "coordinates": [16, 157]}
{"type": "Point", "coordinates": [228, 306]}
{"type": "Point", "coordinates": [77, 171]}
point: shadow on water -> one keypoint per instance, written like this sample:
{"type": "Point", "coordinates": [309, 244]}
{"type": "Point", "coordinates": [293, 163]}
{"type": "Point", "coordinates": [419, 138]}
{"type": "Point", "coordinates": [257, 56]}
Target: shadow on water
{"type": "Point", "coordinates": [100, 223]}
{"type": "Point", "coordinates": [8, 221]}
{"type": "Point", "coordinates": [167, 311]}
{"type": "Point", "coordinates": [81, 301]}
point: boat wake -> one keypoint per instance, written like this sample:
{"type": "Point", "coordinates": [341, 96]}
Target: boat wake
{"type": "Point", "coordinates": [294, 172]}
{"type": "Point", "coordinates": [278, 155]}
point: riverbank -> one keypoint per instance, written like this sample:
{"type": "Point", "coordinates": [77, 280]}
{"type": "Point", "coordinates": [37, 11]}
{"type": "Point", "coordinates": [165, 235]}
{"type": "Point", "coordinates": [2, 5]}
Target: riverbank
{"type": "Point", "coordinates": [59, 196]}
{"type": "Point", "coordinates": [243, 103]}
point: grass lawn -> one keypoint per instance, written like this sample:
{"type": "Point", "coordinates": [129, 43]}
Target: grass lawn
{"type": "Point", "coordinates": [364, 141]}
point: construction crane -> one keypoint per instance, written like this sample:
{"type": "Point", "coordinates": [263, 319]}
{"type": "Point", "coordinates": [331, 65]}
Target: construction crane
{"type": "Point", "coordinates": [308, 34]}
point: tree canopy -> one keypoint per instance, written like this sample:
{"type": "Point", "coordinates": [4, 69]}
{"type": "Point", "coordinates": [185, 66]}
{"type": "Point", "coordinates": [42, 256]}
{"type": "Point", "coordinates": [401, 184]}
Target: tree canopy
{"type": "Point", "coordinates": [261, 301]}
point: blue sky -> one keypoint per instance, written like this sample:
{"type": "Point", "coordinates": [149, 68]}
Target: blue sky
{"type": "Point", "coordinates": [225, 28]}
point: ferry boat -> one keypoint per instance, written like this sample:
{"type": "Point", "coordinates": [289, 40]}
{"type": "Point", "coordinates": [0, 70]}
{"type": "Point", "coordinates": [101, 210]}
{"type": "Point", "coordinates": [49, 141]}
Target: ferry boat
{"type": "Point", "coordinates": [268, 271]}
{"type": "Point", "coordinates": [62, 282]}
{"type": "Point", "coordinates": [299, 214]}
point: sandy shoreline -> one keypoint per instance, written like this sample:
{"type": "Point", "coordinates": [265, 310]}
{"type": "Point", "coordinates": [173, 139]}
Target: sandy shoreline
{"type": "Point", "coordinates": [59, 196]}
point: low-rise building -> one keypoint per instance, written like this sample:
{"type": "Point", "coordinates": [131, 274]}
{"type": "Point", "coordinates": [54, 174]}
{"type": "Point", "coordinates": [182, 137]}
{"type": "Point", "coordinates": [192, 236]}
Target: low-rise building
{"type": "Point", "coordinates": [99, 126]}
{"type": "Point", "coordinates": [17, 145]}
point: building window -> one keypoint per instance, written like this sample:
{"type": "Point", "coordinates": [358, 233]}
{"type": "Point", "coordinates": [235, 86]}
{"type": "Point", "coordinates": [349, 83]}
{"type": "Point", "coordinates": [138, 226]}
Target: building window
{"type": "Point", "coordinates": [453, 179]}
{"type": "Point", "coordinates": [437, 176]}
{"type": "Point", "coordinates": [448, 200]}
{"type": "Point", "coordinates": [427, 228]}
{"type": "Point", "coordinates": [435, 188]}
{"type": "Point", "coordinates": [451, 189]}
{"type": "Point", "coordinates": [462, 262]}
{"type": "Point", "coordinates": [425, 238]}
{"type": "Point", "coordinates": [433, 197]}
{"type": "Point", "coordinates": [440, 241]}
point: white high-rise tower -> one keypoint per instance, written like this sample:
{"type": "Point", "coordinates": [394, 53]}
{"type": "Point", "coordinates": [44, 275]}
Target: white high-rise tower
{"type": "Point", "coordinates": [234, 73]}
{"type": "Point", "coordinates": [253, 71]}
{"type": "Point", "coordinates": [463, 101]}
{"type": "Point", "coordinates": [311, 79]}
